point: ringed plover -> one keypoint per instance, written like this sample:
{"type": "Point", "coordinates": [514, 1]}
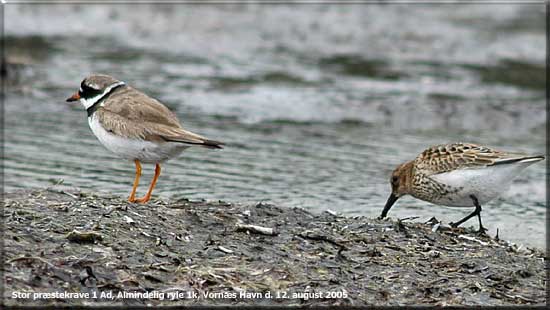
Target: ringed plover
{"type": "Point", "coordinates": [135, 126]}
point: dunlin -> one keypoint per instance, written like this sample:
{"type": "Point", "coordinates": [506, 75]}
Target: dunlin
{"type": "Point", "coordinates": [134, 126]}
{"type": "Point", "coordinates": [458, 175]}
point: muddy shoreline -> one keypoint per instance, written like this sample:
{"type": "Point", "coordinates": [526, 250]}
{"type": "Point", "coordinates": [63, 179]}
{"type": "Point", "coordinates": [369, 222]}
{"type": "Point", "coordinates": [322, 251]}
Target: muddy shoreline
{"type": "Point", "coordinates": [81, 248]}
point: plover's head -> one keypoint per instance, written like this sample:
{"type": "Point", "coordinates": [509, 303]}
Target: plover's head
{"type": "Point", "coordinates": [401, 179]}
{"type": "Point", "coordinates": [94, 88]}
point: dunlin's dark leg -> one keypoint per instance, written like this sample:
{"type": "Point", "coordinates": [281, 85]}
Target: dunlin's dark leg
{"type": "Point", "coordinates": [477, 212]}
{"type": "Point", "coordinates": [478, 209]}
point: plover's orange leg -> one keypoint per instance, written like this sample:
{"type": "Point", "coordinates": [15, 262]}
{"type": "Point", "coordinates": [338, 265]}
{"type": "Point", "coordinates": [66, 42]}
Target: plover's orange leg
{"type": "Point", "coordinates": [153, 183]}
{"type": "Point", "coordinates": [132, 197]}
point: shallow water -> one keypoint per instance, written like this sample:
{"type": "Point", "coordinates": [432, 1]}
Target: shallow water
{"type": "Point", "coordinates": [317, 103]}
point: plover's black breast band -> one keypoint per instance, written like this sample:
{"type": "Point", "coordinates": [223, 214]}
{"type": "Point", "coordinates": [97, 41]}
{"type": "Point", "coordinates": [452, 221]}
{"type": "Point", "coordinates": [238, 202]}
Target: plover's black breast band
{"type": "Point", "coordinates": [95, 106]}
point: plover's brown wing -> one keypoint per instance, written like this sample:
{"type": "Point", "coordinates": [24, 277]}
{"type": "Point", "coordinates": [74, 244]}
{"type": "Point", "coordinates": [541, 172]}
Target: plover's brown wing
{"type": "Point", "coordinates": [154, 132]}
{"type": "Point", "coordinates": [132, 104]}
{"type": "Point", "coordinates": [133, 114]}
{"type": "Point", "coordinates": [447, 157]}
{"type": "Point", "coordinates": [180, 135]}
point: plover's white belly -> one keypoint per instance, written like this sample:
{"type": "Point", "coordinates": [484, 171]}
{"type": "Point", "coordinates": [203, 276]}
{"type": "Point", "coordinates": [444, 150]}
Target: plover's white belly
{"type": "Point", "coordinates": [484, 183]}
{"type": "Point", "coordinates": [144, 151]}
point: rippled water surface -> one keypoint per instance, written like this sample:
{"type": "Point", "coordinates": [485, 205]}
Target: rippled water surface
{"type": "Point", "coordinates": [317, 103]}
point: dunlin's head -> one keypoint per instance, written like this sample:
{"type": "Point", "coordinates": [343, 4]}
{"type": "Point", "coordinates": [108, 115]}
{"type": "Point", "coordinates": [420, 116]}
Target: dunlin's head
{"type": "Point", "coordinates": [93, 88]}
{"type": "Point", "coordinates": [400, 181]}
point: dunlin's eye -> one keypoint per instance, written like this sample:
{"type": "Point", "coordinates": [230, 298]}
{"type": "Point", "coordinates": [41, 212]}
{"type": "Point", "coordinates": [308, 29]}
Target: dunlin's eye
{"type": "Point", "coordinates": [394, 179]}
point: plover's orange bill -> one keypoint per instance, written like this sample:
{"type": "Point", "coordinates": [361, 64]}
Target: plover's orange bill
{"type": "Point", "coordinates": [458, 175]}
{"type": "Point", "coordinates": [134, 126]}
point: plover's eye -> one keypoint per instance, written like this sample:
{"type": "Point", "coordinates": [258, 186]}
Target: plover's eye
{"type": "Point", "coordinates": [87, 91]}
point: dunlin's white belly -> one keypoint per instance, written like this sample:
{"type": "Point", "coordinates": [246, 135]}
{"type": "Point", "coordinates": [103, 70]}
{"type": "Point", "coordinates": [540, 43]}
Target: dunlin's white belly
{"type": "Point", "coordinates": [484, 183]}
{"type": "Point", "coordinates": [144, 151]}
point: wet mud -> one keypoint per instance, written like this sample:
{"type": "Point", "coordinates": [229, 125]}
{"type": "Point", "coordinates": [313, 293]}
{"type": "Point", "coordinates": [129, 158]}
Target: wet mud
{"type": "Point", "coordinates": [184, 252]}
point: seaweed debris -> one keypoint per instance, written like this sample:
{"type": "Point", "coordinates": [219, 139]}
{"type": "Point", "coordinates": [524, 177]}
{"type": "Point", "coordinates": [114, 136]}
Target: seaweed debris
{"type": "Point", "coordinates": [66, 247]}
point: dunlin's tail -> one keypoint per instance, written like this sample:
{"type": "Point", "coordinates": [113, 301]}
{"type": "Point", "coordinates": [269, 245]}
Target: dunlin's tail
{"type": "Point", "coordinates": [525, 159]}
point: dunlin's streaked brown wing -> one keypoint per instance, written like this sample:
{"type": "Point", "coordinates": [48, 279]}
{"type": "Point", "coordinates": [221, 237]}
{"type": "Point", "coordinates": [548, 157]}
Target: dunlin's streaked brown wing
{"type": "Point", "coordinates": [448, 157]}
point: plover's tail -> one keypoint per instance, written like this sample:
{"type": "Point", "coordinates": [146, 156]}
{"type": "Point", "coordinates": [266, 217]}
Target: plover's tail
{"type": "Point", "coordinates": [524, 159]}
{"type": "Point", "coordinates": [181, 135]}
{"type": "Point", "coordinates": [212, 144]}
